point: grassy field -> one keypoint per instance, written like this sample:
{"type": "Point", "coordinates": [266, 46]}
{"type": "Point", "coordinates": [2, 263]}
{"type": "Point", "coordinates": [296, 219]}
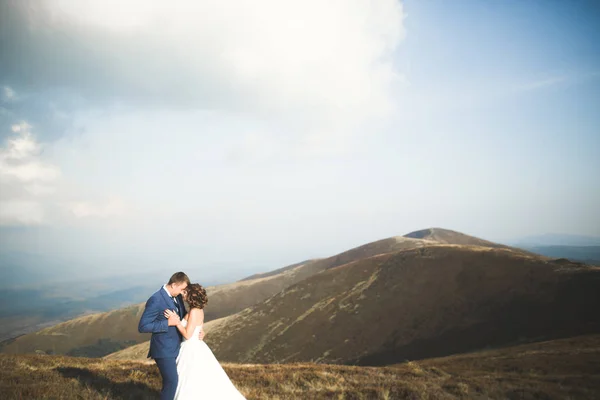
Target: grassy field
{"type": "Point", "coordinates": [559, 369]}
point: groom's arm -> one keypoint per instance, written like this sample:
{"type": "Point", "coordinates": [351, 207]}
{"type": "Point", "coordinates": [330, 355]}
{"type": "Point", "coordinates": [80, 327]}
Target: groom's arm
{"type": "Point", "coordinates": [153, 320]}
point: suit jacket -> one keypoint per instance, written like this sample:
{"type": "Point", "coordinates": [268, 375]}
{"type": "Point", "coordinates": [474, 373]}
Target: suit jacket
{"type": "Point", "coordinates": [165, 340]}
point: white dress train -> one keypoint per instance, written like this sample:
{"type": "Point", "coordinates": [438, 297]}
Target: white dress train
{"type": "Point", "coordinates": [201, 377]}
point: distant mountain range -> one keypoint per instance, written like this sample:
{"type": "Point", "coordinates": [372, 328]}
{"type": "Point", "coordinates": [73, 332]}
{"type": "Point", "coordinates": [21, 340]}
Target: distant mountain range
{"type": "Point", "coordinates": [573, 247]}
{"type": "Point", "coordinates": [586, 254]}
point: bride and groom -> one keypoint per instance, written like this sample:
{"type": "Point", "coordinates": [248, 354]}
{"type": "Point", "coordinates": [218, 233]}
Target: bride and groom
{"type": "Point", "coordinates": [188, 368]}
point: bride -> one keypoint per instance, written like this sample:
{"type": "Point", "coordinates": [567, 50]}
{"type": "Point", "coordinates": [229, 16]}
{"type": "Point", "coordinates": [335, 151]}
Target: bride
{"type": "Point", "coordinates": [200, 374]}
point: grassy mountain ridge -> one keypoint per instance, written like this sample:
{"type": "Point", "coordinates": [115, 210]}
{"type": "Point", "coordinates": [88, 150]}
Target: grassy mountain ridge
{"type": "Point", "coordinates": [447, 236]}
{"type": "Point", "coordinates": [277, 271]}
{"type": "Point", "coordinates": [90, 336]}
{"type": "Point", "coordinates": [558, 369]}
{"type": "Point", "coordinates": [412, 304]}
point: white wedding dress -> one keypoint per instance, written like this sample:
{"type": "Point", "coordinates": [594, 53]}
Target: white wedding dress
{"type": "Point", "coordinates": [201, 377]}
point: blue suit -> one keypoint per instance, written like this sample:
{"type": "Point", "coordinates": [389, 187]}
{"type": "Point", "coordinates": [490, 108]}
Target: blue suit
{"type": "Point", "coordinates": [165, 340]}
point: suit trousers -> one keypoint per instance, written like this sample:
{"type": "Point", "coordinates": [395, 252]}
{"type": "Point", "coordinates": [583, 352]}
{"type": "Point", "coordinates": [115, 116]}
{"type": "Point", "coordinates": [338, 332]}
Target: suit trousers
{"type": "Point", "coordinates": [170, 379]}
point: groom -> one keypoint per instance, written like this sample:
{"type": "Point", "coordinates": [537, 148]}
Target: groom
{"type": "Point", "coordinates": [166, 339]}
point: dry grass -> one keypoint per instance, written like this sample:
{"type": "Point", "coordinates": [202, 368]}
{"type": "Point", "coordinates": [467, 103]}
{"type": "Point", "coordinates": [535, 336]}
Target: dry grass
{"type": "Point", "coordinates": [560, 369]}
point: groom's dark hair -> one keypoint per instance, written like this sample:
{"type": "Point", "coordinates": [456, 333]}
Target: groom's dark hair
{"type": "Point", "coordinates": [179, 277]}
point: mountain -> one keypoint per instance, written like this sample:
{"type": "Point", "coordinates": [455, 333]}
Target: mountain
{"type": "Point", "coordinates": [86, 336]}
{"type": "Point", "coordinates": [416, 303]}
{"type": "Point", "coordinates": [586, 254]}
{"type": "Point", "coordinates": [412, 304]}
{"type": "Point", "coordinates": [277, 271]}
{"type": "Point", "coordinates": [558, 369]}
{"type": "Point", "coordinates": [573, 247]}
{"type": "Point", "coordinates": [92, 335]}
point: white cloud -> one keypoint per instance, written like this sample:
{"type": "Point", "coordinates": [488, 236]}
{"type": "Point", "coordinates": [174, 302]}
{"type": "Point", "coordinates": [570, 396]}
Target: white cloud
{"type": "Point", "coordinates": [540, 83]}
{"type": "Point", "coordinates": [256, 82]}
{"type": "Point", "coordinates": [37, 189]}
{"type": "Point", "coordinates": [8, 93]}
{"type": "Point", "coordinates": [33, 190]}
{"type": "Point", "coordinates": [24, 178]}
{"type": "Point", "coordinates": [19, 159]}
{"type": "Point", "coordinates": [21, 213]}
{"type": "Point", "coordinates": [570, 77]}
{"type": "Point", "coordinates": [311, 66]}
{"type": "Point", "coordinates": [114, 206]}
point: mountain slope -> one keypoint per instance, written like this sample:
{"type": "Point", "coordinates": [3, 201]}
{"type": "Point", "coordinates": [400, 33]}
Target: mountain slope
{"type": "Point", "coordinates": [140, 350]}
{"type": "Point", "coordinates": [277, 271]}
{"type": "Point", "coordinates": [412, 304]}
{"type": "Point", "coordinates": [92, 335]}
{"type": "Point", "coordinates": [105, 333]}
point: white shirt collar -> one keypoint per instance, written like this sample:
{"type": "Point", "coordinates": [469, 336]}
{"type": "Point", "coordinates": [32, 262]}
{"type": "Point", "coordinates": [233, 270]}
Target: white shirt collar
{"type": "Point", "coordinates": [167, 290]}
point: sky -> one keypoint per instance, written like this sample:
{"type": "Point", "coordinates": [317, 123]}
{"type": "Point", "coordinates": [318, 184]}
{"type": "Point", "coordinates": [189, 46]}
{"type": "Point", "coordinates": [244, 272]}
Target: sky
{"type": "Point", "coordinates": [232, 137]}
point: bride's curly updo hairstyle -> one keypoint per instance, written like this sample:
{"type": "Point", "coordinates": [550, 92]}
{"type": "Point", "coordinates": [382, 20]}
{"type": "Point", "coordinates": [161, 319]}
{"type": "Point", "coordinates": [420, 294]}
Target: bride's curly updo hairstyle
{"type": "Point", "coordinates": [196, 295]}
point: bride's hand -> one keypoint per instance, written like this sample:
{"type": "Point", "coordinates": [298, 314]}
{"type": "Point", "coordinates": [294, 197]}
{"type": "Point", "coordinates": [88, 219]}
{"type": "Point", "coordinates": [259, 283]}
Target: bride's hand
{"type": "Point", "coordinates": [172, 317]}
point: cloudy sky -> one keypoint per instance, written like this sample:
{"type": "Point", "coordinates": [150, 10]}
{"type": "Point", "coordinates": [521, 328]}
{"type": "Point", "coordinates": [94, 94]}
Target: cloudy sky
{"type": "Point", "coordinates": [228, 137]}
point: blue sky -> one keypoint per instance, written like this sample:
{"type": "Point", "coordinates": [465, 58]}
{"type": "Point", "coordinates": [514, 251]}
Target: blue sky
{"type": "Point", "coordinates": [226, 137]}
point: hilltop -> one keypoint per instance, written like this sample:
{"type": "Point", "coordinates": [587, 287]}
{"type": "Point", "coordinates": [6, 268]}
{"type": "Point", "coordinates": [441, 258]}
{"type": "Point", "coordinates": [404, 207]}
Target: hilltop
{"type": "Point", "coordinates": [447, 236]}
{"type": "Point", "coordinates": [559, 369]}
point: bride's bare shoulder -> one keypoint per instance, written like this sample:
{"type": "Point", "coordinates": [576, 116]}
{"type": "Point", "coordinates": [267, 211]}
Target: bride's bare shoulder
{"type": "Point", "coordinates": [196, 311]}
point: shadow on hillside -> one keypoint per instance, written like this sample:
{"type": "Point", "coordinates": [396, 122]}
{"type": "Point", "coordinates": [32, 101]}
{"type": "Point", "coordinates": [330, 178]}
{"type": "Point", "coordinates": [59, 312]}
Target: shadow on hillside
{"type": "Point", "coordinates": [111, 389]}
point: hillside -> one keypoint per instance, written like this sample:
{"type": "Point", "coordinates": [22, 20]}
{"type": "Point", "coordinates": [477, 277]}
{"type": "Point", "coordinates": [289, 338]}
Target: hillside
{"type": "Point", "coordinates": [100, 334]}
{"type": "Point", "coordinates": [277, 271]}
{"type": "Point", "coordinates": [230, 298]}
{"type": "Point", "coordinates": [559, 369]}
{"type": "Point", "coordinates": [140, 350]}
{"type": "Point", "coordinates": [91, 335]}
{"type": "Point", "coordinates": [414, 304]}
{"type": "Point", "coordinates": [103, 333]}
{"type": "Point", "coordinates": [51, 304]}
